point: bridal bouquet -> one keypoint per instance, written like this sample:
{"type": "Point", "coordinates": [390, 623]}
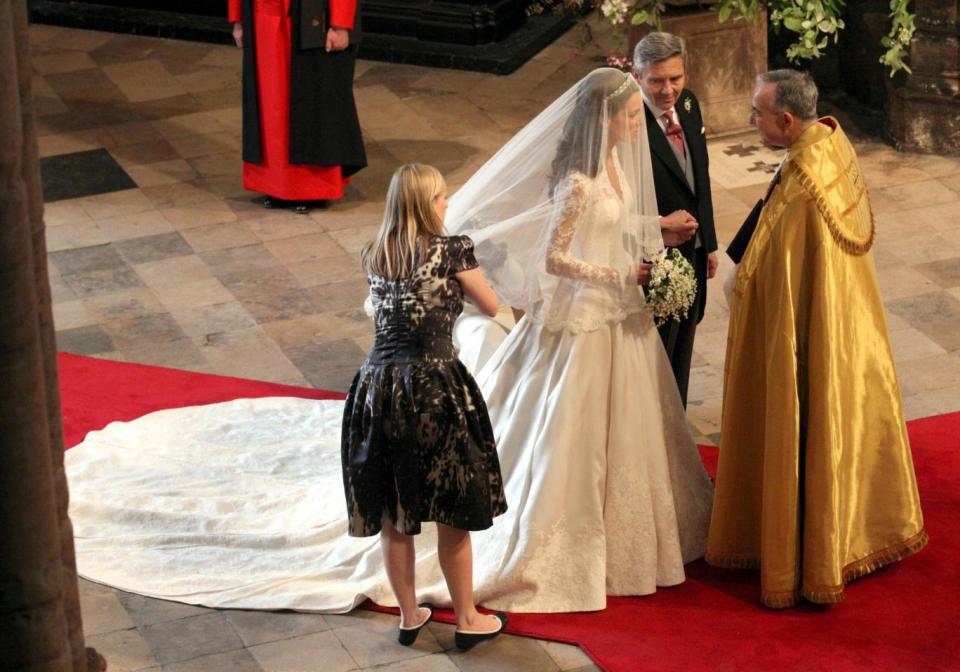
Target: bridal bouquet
{"type": "Point", "coordinates": [672, 287]}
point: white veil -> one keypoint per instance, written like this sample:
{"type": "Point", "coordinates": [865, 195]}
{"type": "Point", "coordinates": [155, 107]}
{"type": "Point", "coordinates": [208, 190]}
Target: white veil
{"type": "Point", "coordinates": [555, 173]}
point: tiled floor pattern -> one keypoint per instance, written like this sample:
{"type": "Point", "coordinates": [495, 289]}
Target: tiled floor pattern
{"type": "Point", "coordinates": [185, 271]}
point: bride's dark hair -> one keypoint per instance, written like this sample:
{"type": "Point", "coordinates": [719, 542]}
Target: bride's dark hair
{"type": "Point", "coordinates": [580, 148]}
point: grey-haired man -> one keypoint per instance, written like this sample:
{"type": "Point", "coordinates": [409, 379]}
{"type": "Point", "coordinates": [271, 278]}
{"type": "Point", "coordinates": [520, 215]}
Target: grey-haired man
{"type": "Point", "coordinates": [678, 146]}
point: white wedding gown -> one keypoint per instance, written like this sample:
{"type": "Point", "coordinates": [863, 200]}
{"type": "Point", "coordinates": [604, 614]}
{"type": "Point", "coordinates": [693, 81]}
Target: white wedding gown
{"type": "Point", "coordinates": [240, 504]}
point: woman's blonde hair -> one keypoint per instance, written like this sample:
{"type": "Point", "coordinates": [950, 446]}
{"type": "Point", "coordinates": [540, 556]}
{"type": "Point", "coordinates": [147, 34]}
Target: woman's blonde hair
{"type": "Point", "coordinates": [409, 220]}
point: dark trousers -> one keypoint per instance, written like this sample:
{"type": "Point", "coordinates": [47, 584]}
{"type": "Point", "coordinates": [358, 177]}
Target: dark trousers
{"type": "Point", "coordinates": [677, 336]}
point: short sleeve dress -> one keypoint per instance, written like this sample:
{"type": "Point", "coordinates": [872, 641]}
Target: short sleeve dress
{"type": "Point", "coordinates": [417, 444]}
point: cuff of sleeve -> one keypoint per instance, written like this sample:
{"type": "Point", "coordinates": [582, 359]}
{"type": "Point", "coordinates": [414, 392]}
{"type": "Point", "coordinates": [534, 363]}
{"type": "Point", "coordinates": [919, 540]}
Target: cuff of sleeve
{"type": "Point", "coordinates": [342, 15]}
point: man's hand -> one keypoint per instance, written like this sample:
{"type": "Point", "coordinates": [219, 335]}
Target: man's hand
{"type": "Point", "coordinates": [712, 263]}
{"type": "Point", "coordinates": [338, 39]}
{"type": "Point", "coordinates": [677, 228]}
{"type": "Point", "coordinates": [643, 273]}
{"type": "Point", "coordinates": [238, 33]}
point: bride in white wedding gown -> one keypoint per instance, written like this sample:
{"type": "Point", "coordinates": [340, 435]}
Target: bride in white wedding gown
{"type": "Point", "coordinates": [240, 504]}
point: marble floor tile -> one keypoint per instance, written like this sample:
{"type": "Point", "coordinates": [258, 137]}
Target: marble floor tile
{"type": "Point", "coordinates": [89, 340]}
{"type": "Point", "coordinates": [566, 656]}
{"type": "Point", "coordinates": [145, 152]}
{"type": "Point", "coordinates": [339, 296]}
{"type": "Point", "coordinates": [194, 146]}
{"type": "Point", "coordinates": [60, 291]}
{"type": "Point", "coordinates": [437, 662]}
{"type": "Point", "coordinates": [188, 638]}
{"type": "Point", "coordinates": [274, 225]}
{"type": "Point", "coordinates": [232, 661]}
{"type": "Point", "coordinates": [130, 133]}
{"type": "Point", "coordinates": [929, 374]}
{"type": "Point", "coordinates": [72, 314]}
{"type": "Point", "coordinates": [82, 233]}
{"type": "Point", "coordinates": [261, 627]}
{"type": "Point", "coordinates": [80, 174]}
{"type": "Point", "coordinates": [101, 609]}
{"type": "Point", "coordinates": [219, 236]}
{"type": "Point", "coordinates": [144, 80]}
{"type": "Point", "coordinates": [301, 331]}
{"type": "Point", "coordinates": [199, 214]}
{"type": "Point", "coordinates": [328, 365]}
{"type": "Point", "coordinates": [193, 294]}
{"type": "Point", "coordinates": [117, 204]}
{"type": "Point", "coordinates": [919, 194]}
{"type": "Point", "coordinates": [309, 248]}
{"type": "Point", "coordinates": [506, 654]}
{"type": "Point", "coordinates": [173, 270]}
{"type": "Point", "coordinates": [137, 302]}
{"type": "Point", "coordinates": [172, 171]}
{"type": "Point", "coordinates": [246, 353]}
{"type": "Point", "coordinates": [102, 281]}
{"type": "Point", "coordinates": [64, 212]}
{"type": "Point", "coordinates": [175, 354]}
{"type": "Point", "coordinates": [946, 272]}
{"type": "Point", "coordinates": [215, 319]}
{"type": "Point", "coordinates": [125, 650]}
{"type": "Point", "coordinates": [157, 247]}
{"type": "Point", "coordinates": [304, 654]}
{"type": "Point", "coordinates": [133, 332]}
{"type": "Point", "coordinates": [923, 308]}
{"type": "Point", "coordinates": [371, 647]}
{"type": "Point", "coordinates": [56, 143]}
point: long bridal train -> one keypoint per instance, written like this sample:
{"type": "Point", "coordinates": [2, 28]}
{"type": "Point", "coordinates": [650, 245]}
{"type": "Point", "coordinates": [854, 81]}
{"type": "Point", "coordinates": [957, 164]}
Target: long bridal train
{"type": "Point", "coordinates": [240, 504]}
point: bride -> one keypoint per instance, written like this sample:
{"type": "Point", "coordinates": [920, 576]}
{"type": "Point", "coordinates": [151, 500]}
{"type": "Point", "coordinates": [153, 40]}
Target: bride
{"type": "Point", "coordinates": [240, 504]}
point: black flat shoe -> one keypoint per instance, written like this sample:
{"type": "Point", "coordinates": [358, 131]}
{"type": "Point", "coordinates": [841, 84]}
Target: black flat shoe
{"type": "Point", "coordinates": [301, 208]}
{"type": "Point", "coordinates": [269, 202]}
{"type": "Point", "coordinates": [468, 640]}
{"type": "Point", "coordinates": [407, 636]}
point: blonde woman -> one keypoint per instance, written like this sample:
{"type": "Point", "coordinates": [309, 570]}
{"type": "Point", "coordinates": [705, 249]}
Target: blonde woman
{"type": "Point", "coordinates": [417, 444]}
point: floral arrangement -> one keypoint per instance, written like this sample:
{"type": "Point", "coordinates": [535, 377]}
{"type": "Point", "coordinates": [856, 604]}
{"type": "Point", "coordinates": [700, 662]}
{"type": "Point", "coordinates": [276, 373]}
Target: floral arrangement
{"type": "Point", "coordinates": [672, 287]}
{"type": "Point", "coordinates": [813, 21]}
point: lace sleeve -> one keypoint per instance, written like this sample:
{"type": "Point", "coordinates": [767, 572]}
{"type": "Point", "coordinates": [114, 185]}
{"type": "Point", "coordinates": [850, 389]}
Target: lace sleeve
{"type": "Point", "coordinates": [571, 201]}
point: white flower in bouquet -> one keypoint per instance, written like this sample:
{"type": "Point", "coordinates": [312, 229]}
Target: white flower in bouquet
{"type": "Point", "coordinates": [672, 288]}
{"type": "Point", "coordinates": [615, 11]}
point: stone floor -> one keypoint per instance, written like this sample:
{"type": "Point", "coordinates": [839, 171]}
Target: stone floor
{"type": "Point", "coordinates": [157, 255]}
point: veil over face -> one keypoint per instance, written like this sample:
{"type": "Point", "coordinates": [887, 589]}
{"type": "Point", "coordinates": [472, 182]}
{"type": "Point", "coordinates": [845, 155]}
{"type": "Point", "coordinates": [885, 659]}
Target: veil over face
{"type": "Point", "coordinates": [577, 177]}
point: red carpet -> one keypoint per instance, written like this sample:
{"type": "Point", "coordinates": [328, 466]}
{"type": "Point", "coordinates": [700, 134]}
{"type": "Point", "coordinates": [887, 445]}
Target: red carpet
{"type": "Point", "coordinates": [903, 618]}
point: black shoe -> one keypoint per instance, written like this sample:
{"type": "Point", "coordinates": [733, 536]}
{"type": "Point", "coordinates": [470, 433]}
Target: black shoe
{"type": "Point", "coordinates": [301, 208]}
{"type": "Point", "coordinates": [269, 202]}
{"type": "Point", "coordinates": [407, 636]}
{"type": "Point", "coordinates": [468, 640]}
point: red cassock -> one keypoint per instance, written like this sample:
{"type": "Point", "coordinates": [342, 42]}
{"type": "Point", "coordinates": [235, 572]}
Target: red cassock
{"type": "Point", "coordinates": [276, 176]}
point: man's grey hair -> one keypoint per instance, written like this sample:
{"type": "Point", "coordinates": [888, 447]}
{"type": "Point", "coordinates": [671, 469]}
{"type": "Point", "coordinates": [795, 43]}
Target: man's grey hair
{"type": "Point", "coordinates": [657, 47]}
{"type": "Point", "coordinates": [795, 92]}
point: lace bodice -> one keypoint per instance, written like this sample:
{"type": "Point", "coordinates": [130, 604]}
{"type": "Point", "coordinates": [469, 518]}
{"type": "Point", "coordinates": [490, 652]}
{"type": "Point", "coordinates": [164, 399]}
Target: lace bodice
{"type": "Point", "coordinates": [586, 211]}
{"type": "Point", "coordinates": [590, 255]}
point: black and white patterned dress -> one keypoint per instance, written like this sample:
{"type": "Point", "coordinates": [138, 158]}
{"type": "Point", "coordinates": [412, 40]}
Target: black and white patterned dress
{"type": "Point", "coordinates": [417, 444]}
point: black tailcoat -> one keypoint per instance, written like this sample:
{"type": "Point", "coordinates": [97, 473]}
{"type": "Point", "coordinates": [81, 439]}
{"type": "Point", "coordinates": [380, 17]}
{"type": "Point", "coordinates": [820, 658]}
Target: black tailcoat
{"type": "Point", "coordinates": [673, 193]}
{"type": "Point", "coordinates": [324, 127]}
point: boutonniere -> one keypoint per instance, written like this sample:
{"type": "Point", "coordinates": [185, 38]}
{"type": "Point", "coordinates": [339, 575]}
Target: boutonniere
{"type": "Point", "coordinates": [687, 104]}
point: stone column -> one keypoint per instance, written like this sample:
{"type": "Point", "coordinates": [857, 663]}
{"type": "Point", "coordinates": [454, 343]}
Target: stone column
{"type": "Point", "coordinates": [924, 112]}
{"type": "Point", "coordinates": [40, 627]}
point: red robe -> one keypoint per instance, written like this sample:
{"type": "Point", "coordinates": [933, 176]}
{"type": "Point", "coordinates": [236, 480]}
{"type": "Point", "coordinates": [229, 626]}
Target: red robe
{"type": "Point", "coordinates": [276, 176]}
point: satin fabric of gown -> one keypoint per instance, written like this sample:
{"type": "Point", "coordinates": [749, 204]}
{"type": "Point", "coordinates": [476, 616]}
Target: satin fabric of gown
{"type": "Point", "coordinates": [240, 504]}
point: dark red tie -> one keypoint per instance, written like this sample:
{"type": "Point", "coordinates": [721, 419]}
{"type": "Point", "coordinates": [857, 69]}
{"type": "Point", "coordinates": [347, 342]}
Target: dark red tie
{"type": "Point", "coordinates": [675, 133]}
